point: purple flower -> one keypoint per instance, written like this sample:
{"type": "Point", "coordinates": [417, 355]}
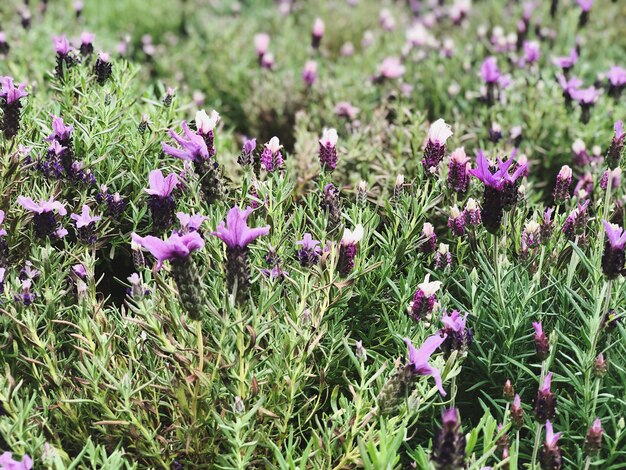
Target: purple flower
{"type": "Point", "coordinates": [532, 51]}
{"type": "Point", "coordinates": [175, 248]}
{"type": "Point", "coordinates": [348, 248]}
{"type": "Point", "coordinates": [390, 68]}
{"type": "Point", "coordinates": [593, 440]}
{"type": "Point", "coordinates": [87, 37]}
{"type": "Point", "coordinates": [424, 299]}
{"type": "Point", "coordinates": [458, 337]}
{"type": "Point", "coordinates": [328, 149]}
{"type": "Point", "coordinates": [346, 110]}
{"type": "Point", "coordinates": [60, 131]}
{"type": "Point", "coordinates": [246, 159]}
{"type": "Point", "coordinates": [42, 206]}
{"type": "Point", "coordinates": [309, 72]}
{"type": "Point", "coordinates": [449, 442]}
{"type": "Point", "coordinates": [430, 238]}
{"type": "Point", "coordinates": [9, 92]}
{"type": "Point", "coordinates": [194, 148]}
{"type": "Point", "coordinates": [189, 223]}
{"type": "Point", "coordinates": [418, 358]}
{"type": "Point", "coordinates": [85, 218]}
{"type": "Point", "coordinates": [569, 86]}
{"type": "Point", "coordinates": [8, 463]}
{"type": "Point", "coordinates": [613, 256]}
{"type": "Point", "coordinates": [261, 43]}
{"type": "Point", "coordinates": [501, 177]}
{"type": "Point", "coordinates": [489, 70]}
{"type": "Point", "coordinates": [235, 232]}
{"type": "Point", "coordinates": [614, 154]}
{"type": "Point", "coordinates": [576, 221]}
{"type": "Point", "coordinates": [566, 62]}
{"type": "Point", "coordinates": [80, 271]}
{"type": "Point", "coordinates": [617, 76]}
{"type": "Point", "coordinates": [517, 412]}
{"type": "Point", "coordinates": [550, 456]}
{"type": "Point", "coordinates": [563, 182]}
{"type": "Point", "coordinates": [309, 252]}
{"type": "Point", "coordinates": [542, 344]}
{"type": "Point", "coordinates": [458, 174]}
{"type": "Point", "coordinates": [160, 186]}
{"type": "Point", "coordinates": [586, 96]}
{"type": "Point", "coordinates": [545, 401]}
{"type": "Point", "coordinates": [585, 5]}
{"type": "Point", "coordinates": [272, 157]}
{"type": "Point", "coordinates": [456, 222]}
{"type": "Point", "coordinates": [61, 45]}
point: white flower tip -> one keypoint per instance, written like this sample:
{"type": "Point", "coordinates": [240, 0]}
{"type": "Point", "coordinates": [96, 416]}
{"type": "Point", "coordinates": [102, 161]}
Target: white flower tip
{"type": "Point", "coordinates": [329, 137]}
{"type": "Point", "coordinates": [206, 123]}
{"type": "Point", "coordinates": [352, 237]}
{"type": "Point", "coordinates": [274, 144]}
{"type": "Point", "coordinates": [428, 229]}
{"type": "Point", "coordinates": [399, 180]}
{"type": "Point", "coordinates": [439, 132]}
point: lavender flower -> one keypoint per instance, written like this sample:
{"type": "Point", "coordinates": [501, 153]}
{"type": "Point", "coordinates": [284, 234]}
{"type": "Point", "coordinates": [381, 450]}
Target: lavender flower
{"type": "Point", "coordinates": [389, 69]}
{"type": "Point", "coordinates": [585, 8]}
{"type": "Point", "coordinates": [236, 234]}
{"type": "Point", "coordinates": [64, 58]}
{"type": "Point", "coordinates": [346, 110]}
{"type": "Point", "coordinates": [500, 191]}
{"type": "Point", "coordinates": [456, 222]}
{"type": "Point", "coordinates": [404, 378]}
{"type": "Point", "coordinates": [449, 442]}
{"type": "Point", "coordinates": [11, 105]}
{"type": "Point", "coordinates": [348, 249]}
{"type": "Point", "coordinates": [508, 391]}
{"type": "Point", "coordinates": [206, 125]}
{"type": "Point", "coordinates": [472, 212]}
{"type": "Point", "coordinates": [272, 157]}
{"type": "Point", "coordinates": [531, 237]}
{"type": "Point", "coordinates": [430, 238]}
{"type": "Point", "coordinates": [517, 412]}
{"type": "Point", "coordinates": [438, 134]}
{"type": "Point", "coordinates": [586, 98]}
{"type": "Point", "coordinates": [458, 336]}
{"type": "Point", "coordinates": [566, 63]}
{"type": "Point", "coordinates": [177, 250]}
{"type": "Point", "coordinates": [247, 157]}
{"type": "Point", "coordinates": [137, 288]}
{"type": "Point", "coordinates": [418, 359]}
{"type": "Point", "coordinates": [189, 223]}
{"type": "Point", "coordinates": [103, 67]}
{"type": "Point", "coordinates": [86, 225]}
{"type": "Point", "coordinates": [86, 43]}
{"type": "Point", "coordinates": [550, 457]}
{"type": "Point", "coordinates": [26, 295]}
{"type": "Point", "coordinates": [569, 87]}
{"type": "Point", "coordinates": [613, 256]}
{"type": "Point", "coordinates": [542, 344]}
{"type": "Point", "coordinates": [330, 205]}
{"type": "Point", "coordinates": [161, 202]}
{"type": "Point", "coordinates": [424, 299]}
{"type": "Point", "coordinates": [309, 72]}
{"type": "Point", "coordinates": [614, 154]}
{"type": "Point", "coordinates": [317, 33]}
{"type": "Point", "coordinates": [491, 75]}
{"type": "Point", "coordinates": [576, 221]}
{"type": "Point", "coordinates": [62, 135]}
{"type": "Point", "coordinates": [613, 176]}
{"type": "Point", "coordinates": [443, 257]}
{"type": "Point", "coordinates": [458, 171]}
{"type": "Point", "coordinates": [563, 182]}
{"type": "Point", "coordinates": [532, 52]}
{"type": "Point", "coordinates": [9, 463]}
{"type": "Point", "coordinates": [44, 218]}
{"type": "Point", "coordinates": [599, 366]}
{"type": "Point", "coordinates": [593, 440]}
{"type": "Point", "coordinates": [617, 81]}
{"type": "Point", "coordinates": [545, 402]}
{"type": "Point", "coordinates": [193, 149]}
{"type": "Point", "coordinates": [309, 252]}
{"type": "Point", "coordinates": [328, 149]}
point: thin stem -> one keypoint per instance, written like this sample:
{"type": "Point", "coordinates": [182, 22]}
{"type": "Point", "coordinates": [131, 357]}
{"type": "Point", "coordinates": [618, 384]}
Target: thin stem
{"type": "Point", "coordinates": [533, 459]}
{"type": "Point", "coordinates": [587, 462]}
{"type": "Point", "coordinates": [496, 267]}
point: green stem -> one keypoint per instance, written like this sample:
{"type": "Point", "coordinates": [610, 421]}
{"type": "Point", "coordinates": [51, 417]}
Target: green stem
{"type": "Point", "coordinates": [587, 462]}
{"type": "Point", "coordinates": [496, 267]}
{"type": "Point", "coordinates": [533, 459]}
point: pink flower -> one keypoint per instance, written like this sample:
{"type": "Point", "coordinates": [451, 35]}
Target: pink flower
{"type": "Point", "coordinates": [193, 148]}
{"type": "Point", "coordinates": [84, 218]}
{"type": "Point", "coordinates": [418, 358]}
{"type": "Point", "coordinates": [61, 45]}
{"type": "Point", "coordinates": [160, 186]}
{"type": "Point", "coordinates": [174, 248]}
{"type": "Point", "coordinates": [235, 232]}
{"type": "Point", "coordinates": [9, 92]}
{"type": "Point", "coordinates": [391, 68]}
{"type": "Point", "coordinates": [42, 206]}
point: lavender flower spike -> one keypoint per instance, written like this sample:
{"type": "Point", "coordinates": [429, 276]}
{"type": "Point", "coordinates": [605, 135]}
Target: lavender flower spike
{"type": "Point", "coordinates": [613, 256]}
{"type": "Point", "coordinates": [328, 149]}
{"type": "Point", "coordinates": [438, 134]}
{"type": "Point", "coordinates": [11, 106]}
{"type": "Point", "coordinates": [545, 401]}
{"type": "Point", "coordinates": [614, 154]}
{"type": "Point", "coordinates": [236, 234]}
{"type": "Point", "coordinates": [550, 456]}
{"type": "Point", "coordinates": [44, 220]}
{"type": "Point", "coordinates": [272, 157]}
{"type": "Point", "coordinates": [177, 250]}
{"type": "Point", "coordinates": [63, 59]}
{"type": "Point", "coordinates": [86, 225]}
{"type": "Point", "coordinates": [348, 249]}
{"type": "Point", "coordinates": [309, 252]}
{"type": "Point", "coordinates": [161, 202]}
{"type": "Point", "coordinates": [189, 223]}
